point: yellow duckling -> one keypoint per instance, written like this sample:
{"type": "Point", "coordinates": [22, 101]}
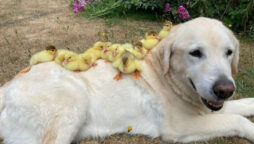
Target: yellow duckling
{"type": "Point", "coordinates": [62, 55]}
{"type": "Point", "coordinates": [139, 51]}
{"type": "Point", "coordinates": [127, 64]}
{"type": "Point", "coordinates": [76, 63]}
{"type": "Point", "coordinates": [109, 52]}
{"type": "Point", "coordinates": [95, 51]}
{"type": "Point", "coordinates": [127, 46]}
{"type": "Point", "coordinates": [166, 29]}
{"type": "Point", "coordinates": [46, 55]}
{"type": "Point", "coordinates": [151, 40]}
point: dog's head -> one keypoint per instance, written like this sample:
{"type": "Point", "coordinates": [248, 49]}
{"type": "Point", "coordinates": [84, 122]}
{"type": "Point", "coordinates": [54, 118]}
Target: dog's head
{"type": "Point", "coordinates": [203, 54]}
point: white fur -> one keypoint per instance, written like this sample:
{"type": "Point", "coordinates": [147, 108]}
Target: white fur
{"type": "Point", "coordinates": [52, 105]}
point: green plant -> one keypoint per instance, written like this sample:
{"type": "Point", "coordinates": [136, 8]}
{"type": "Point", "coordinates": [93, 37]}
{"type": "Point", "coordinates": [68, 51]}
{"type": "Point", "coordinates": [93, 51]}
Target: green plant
{"type": "Point", "coordinates": [103, 8]}
{"type": "Point", "coordinates": [142, 4]}
{"type": "Point", "coordinates": [236, 14]}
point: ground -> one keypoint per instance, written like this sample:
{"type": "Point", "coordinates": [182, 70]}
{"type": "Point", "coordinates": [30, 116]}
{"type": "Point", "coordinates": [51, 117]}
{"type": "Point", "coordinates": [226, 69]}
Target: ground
{"type": "Point", "coordinates": [27, 26]}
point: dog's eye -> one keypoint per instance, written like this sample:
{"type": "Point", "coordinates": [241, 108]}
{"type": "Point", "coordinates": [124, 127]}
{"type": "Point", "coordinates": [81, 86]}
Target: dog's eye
{"type": "Point", "coordinates": [196, 53]}
{"type": "Point", "coordinates": [229, 52]}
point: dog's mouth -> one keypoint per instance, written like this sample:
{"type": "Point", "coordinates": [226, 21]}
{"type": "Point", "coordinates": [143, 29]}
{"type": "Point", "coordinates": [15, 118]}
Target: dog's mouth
{"type": "Point", "coordinates": [213, 105]}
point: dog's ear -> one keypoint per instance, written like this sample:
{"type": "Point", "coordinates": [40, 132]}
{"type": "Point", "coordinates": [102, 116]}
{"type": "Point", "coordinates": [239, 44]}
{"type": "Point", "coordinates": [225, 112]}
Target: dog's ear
{"type": "Point", "coordinates": [164, 54]}
{"type": "Point", "coordinates": [165, 50]}
{"type": "Point", "coordinates": [234, 63]}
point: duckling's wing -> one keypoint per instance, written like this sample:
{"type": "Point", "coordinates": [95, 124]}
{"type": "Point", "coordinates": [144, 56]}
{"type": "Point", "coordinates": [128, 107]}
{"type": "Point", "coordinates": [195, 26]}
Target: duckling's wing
{"type": "Point", "coordinates": [138, 65]}
{"type": "Point", "coordinates": [33, 60]}
{"type": "Point", "coordinates": [44, 56]}
{"type": "Point", "coordinates": [117, 63]}
{"type": "Point", "coordinates": [72, 66]}
{"type": "Point", "coordinates": [60, 58]}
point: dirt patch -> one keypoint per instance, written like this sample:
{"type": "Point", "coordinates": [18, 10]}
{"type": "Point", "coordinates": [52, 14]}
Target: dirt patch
{"type": "Point", "coordinates": [27, 26]}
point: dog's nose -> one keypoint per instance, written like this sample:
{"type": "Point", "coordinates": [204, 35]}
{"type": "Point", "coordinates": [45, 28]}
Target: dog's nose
{"type": "Point", "coordinates": [223, 88]}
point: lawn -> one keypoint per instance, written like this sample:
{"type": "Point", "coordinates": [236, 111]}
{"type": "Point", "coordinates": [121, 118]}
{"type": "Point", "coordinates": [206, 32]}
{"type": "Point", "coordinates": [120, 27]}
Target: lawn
{"type": "Point", "coordinates": [31, 25]}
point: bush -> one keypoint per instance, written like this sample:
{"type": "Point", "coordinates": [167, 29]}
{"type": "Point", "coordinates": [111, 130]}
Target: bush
{"type": "Point", "coordinates": [236, 14]}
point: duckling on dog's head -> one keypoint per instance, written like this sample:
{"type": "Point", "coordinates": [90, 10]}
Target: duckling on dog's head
{"type": "Point", "coordinates": [151, 34]}
{"type": "Point", "coordinates": [51, 49]}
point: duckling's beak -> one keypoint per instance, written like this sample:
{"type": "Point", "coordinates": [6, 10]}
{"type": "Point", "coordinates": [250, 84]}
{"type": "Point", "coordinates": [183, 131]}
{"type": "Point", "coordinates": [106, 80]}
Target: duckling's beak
{"type": "Point", "coordinates": [142, 51]}
{"type": "Point", "coordinates": [158, 37]}
{"type": "Point", "coordinates": [124, 68]}
{"type": "Point", "coordinates": [114, 53]}
{"type": "Point", "coordinates": [105, 50]}
{"type": "Point", "coordinates": [65, 62]}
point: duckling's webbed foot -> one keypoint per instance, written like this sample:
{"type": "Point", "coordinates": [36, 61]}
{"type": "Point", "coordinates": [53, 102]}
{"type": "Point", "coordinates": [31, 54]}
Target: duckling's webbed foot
{"type": "Point", "coordinates": [136, 75]}
{"type": "Point", "coordinates": [118, 76]}
{"type": "Point", "coordinates": [26, 70]}
{"type": "Point", "coordinates": [107, 61]}
{"type": "Point", "coordinates": [94, 64]}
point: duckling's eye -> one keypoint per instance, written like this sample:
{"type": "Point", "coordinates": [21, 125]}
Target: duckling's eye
{"type": "Point", "coordinates": [196, 53]}
{"type": "Point", "coordinates": [229, 52]}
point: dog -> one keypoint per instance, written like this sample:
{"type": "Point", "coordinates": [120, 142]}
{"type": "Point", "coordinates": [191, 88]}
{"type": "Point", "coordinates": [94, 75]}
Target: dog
{"type": "Point", "coordinates": [183, 95]}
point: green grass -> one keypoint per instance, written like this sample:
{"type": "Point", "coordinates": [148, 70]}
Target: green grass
{"type": "Point", "coordinates": [116, 12]}
{"type": "Point", "coordinates": [245, 82]}
{"type": "Point", "coordinates": [245, 77]}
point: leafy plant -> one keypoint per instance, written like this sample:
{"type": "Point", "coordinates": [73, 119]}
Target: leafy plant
{"type": "Point", "coordinates": [236, 14]}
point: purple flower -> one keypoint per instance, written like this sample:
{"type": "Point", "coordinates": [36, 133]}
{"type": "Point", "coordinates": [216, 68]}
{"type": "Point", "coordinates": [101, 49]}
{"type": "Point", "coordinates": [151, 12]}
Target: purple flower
{"type": "Point", "coordinates": [167, 7]}
{"type": "Point", "coordinates": [181, 9]}
{"type": "Point", "coordinates": [188, 3]}
{"type": "Point", "coordinates": [75, 10]}
{"type": "Point", "coordinates": [75, 5]}
{"type": "Point", "coordinates": [183, 13]}
{"type": "Point", "coordinates": [81, 7]}
{"type": "Point", "coordinates": [186, 15]}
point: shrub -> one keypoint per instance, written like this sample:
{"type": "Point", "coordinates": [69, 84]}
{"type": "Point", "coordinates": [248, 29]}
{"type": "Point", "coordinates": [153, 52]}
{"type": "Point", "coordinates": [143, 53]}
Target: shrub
{"type": "Point", "coordinates": [236, 14]}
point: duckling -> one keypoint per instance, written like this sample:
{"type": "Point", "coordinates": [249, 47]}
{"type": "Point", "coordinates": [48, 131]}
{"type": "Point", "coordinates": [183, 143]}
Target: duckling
{"type": "Point", "coordinates": [113, 52]}
{"type": "Point", "coordinates": [85, 63]}
{"type": "Point", "coordinates": [88, 59]}
{"type": "Point", "coordinates": [95, 51]}
{"type": "Point", "coordinates": [62, 55]}
{"type": "Point", "coordinates": [151, 40]}
{"type": "Point", "coordinates": [108, 51]}
{"type": "Point", "coordinates": [127, 64]}
{"type": "Point", "coordinates": [76, 63]}
{"type": "Point", "coordinates": [128, 46]}
{"type": "Point", "coordinates": [46, 55]}
{"type": "Point", "coordinates": [71, 63]}
{"type": "Point", "coordinates": [139, 51]}
{"type": "Point", "coordinates": [166, 29]}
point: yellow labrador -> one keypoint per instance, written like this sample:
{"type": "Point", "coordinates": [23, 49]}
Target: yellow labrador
{"type": "Point", "coordinates": [181, 97]}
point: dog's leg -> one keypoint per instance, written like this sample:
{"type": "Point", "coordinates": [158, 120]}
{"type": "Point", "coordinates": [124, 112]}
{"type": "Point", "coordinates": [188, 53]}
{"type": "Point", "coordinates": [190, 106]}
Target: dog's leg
{"type": "Point", "coordinates": [244, 107]}
{"type": "Point", "coordinates": [63, 129]}
{"type": "Point", "coordinates": [210, 126]}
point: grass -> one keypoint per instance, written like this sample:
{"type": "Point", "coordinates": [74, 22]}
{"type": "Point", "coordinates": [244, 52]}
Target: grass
{"type": "Point", "coordinates": [114, 10]}
{"type": "Point", "coordinates": [245, 82]}
{"type": "Point", "coordinates": [245, 77]}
